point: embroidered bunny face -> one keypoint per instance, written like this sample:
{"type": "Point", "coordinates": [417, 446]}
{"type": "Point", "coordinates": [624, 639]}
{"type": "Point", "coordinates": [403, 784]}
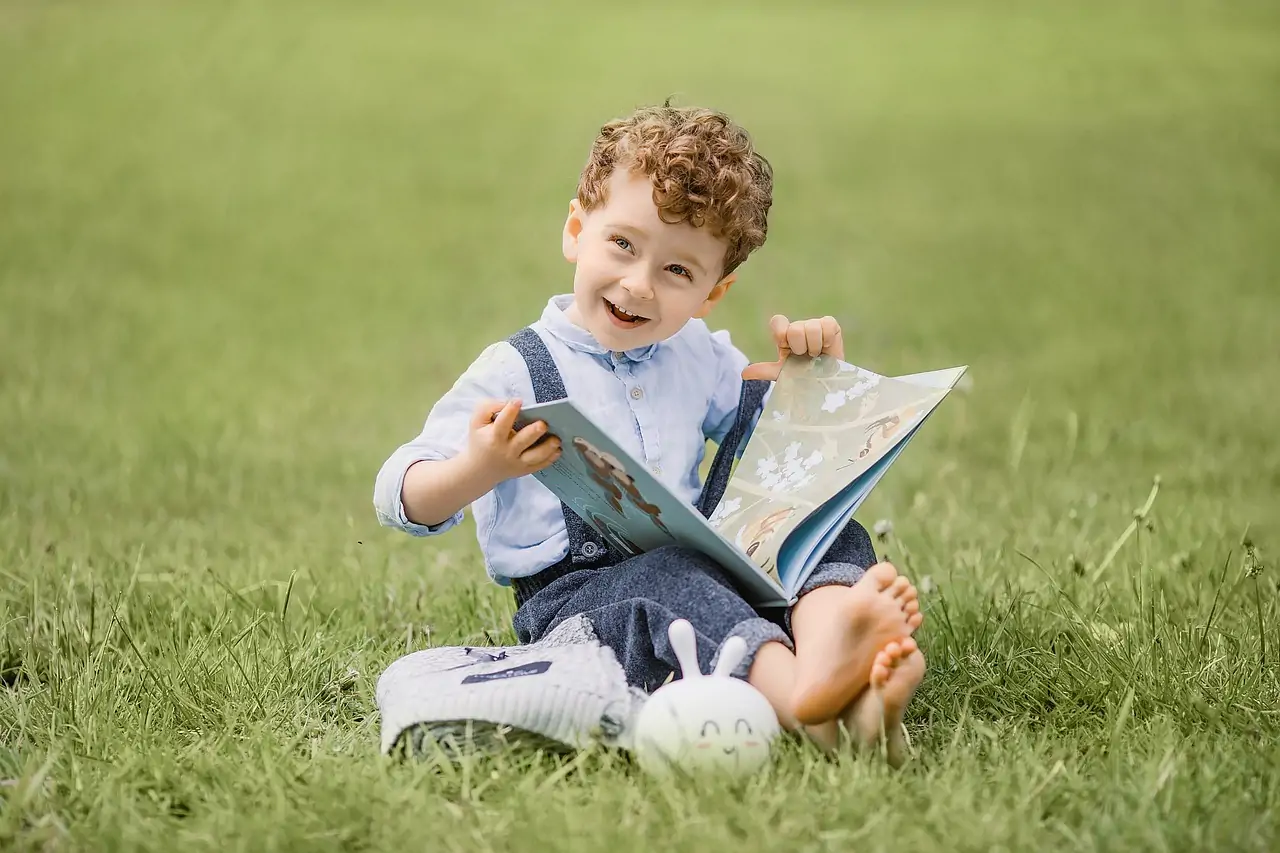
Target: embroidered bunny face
{"type": "Point", "coordinates": [705, 723]}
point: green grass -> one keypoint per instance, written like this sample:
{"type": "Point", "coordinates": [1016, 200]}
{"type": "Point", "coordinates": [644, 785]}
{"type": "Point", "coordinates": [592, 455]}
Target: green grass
{"type": "Point", "coordinates": [243, 247]}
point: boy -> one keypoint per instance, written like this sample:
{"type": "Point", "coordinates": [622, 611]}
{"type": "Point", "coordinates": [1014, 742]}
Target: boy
{"type": "Point", "coordinates": [671, 202]}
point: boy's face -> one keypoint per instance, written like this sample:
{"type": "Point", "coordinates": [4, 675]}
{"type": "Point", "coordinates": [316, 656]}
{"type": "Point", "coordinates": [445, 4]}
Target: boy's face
{"type": "Point", "coordinates": [639, 280]}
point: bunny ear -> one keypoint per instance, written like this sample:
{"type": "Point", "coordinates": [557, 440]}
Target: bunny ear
{"type": "Point", "coordinates": [680, 632]}
{"type": "Point", "coordinates": [731, 654]}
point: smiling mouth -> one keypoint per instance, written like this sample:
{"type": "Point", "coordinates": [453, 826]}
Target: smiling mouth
{"type": "Point", "coordinates": [622, 318]}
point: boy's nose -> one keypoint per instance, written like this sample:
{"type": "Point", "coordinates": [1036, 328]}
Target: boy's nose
{"type": "Point", "coordinates": [638, 285]}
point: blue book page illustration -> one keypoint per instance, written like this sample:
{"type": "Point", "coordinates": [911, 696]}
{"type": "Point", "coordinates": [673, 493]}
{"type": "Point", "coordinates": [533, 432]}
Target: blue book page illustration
{"type": "Point", "coordinates": [804, 548]}
{"type": "Point", "coordinates": [634, 512]}
{"type": "Point", "coordinates": [826, 426]}
{"type": "Point", "coordinates": [801, 552]}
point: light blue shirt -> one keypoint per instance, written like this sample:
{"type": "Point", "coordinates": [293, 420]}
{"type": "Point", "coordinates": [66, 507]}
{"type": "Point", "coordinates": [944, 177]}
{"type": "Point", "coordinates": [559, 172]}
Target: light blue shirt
{"type": "Point", "coordinates": [659, 403]}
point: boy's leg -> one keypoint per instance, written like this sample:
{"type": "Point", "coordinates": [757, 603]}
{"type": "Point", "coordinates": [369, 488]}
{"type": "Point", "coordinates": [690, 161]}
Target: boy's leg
{"type": "Point", "coordinates": [846, 614]}
{"type": "Point", "coordinates": [631, 605]}
{"type": "Point", "coordinates": [875, 717]}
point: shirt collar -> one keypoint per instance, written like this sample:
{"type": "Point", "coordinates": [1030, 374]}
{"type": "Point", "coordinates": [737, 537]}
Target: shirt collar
{"type": "Point", "coordinates": [577, 338]}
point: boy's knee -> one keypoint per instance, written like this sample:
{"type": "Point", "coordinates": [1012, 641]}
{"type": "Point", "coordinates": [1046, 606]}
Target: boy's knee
{"type": "Point", "coordinates": [677, 561]}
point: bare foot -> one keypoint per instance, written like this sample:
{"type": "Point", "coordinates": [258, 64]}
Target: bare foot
{"type": "Point", "coordinates": [839, 630]}
{"type": "Point", "coordinates": [904, 592]}
{"type": "Point", "coordinates": [876, 716]}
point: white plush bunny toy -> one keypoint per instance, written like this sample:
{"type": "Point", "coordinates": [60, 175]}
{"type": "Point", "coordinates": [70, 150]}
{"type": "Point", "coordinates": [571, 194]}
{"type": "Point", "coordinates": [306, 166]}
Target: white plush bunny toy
{"type": "Point", "coordinates": [705, 722]}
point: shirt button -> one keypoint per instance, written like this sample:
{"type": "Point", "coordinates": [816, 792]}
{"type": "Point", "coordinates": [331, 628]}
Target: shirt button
{"type": "Point", "coordinates": [590, 549]}
{"type": "Point", "coordinates": [637, 393]}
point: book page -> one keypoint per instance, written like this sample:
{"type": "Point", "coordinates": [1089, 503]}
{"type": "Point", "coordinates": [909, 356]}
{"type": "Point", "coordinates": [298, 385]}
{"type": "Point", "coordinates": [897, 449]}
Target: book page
{"type": "Point", "coordinates": [633, 511]}
{"type": "Point", "coordinates": [825, 424]}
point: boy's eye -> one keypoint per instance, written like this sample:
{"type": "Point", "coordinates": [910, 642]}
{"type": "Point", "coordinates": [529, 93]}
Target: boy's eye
{"type": "Point", "coordinates": [622, 243]}
{"type": "Point", "coordinates": [680, 271]}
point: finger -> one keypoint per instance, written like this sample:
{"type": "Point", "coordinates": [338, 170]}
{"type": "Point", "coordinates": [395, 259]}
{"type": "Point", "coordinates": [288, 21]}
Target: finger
{"type": "Point", "coordinates": [769, 370]}
{"type": "Point", "coordinates": [832, 338]}
{"type": "Point", "coordinates": [813, 337]}
{"type": "Point", "coordinates": [528, 436]}
{"type": "Point", "coordinates": [484, 412]}
{"type": "Point", "coordinates": [541, 455]}
{"type": "Point", "coordinates": [796, 339]}
{"type": "Point", "coordinates": [506, 418]}
{"type": "Point", "coordinates": [778, 325]}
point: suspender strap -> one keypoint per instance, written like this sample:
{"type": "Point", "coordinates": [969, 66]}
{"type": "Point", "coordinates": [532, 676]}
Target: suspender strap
{"type": "Point", "coordinates": [586, 547]}
{"type": "Point", "coordinates": [753, 391]}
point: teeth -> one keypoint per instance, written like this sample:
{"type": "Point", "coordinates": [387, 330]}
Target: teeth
{"type": "Point", "coordinates": [625, 315]}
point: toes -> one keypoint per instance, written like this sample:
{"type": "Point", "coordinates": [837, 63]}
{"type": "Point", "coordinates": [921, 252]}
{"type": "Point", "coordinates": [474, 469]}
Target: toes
{"type": "Point", "coordinates": [899, 587]}
{"type": "Point", "coordinates": [915, 620]}
{"type": "Point", "coordinates": [892, 651]}
{"type": "Point", "coordinates": [908, 645]}
{"type": "Point", "coordinates": [880, 670]}
{"type": "Point", "coordinates": [910, 594]}
{"type": "Point", "coordinates": [881, 574]}
{"type": "Point", "coordinates": [911, 608]}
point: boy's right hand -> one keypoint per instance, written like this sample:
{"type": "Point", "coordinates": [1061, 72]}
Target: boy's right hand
{"type": "Point", "coordinates": [501, 452]}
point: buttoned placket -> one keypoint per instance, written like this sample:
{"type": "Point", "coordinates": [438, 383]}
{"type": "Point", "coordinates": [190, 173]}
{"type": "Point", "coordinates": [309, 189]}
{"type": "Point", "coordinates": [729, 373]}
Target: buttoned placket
{"type": "Point", "coordinates": [638, 401]}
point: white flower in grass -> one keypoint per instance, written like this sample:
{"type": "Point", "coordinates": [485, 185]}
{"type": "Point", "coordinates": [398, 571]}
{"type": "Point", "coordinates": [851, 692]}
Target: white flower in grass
{"type": "Point", "coordinates": [725, 509]}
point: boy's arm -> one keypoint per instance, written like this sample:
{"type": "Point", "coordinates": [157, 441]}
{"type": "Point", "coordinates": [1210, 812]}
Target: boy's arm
{"type": "Point", "coordinates": [466, 447]}
{"type": "Point", "coordinates": [436, 491]}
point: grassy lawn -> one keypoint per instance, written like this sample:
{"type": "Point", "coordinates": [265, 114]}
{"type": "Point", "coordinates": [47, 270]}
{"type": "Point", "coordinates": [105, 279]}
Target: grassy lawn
{"type": "Point", "coordinates": [244, 246]}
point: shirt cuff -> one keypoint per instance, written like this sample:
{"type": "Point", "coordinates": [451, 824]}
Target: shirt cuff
{"type": "Point", "coordinates": [389, 505]}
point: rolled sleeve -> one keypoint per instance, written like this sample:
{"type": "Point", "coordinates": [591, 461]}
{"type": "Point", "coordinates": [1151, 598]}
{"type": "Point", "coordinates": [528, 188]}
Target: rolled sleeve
{"type": "Point", "coordinates": [389, 488]}
{"type": "Point", "coordinates": [443, 436]}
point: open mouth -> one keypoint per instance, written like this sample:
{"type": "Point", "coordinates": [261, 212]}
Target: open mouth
{"type": "Point", "coordinates": [622, 318]}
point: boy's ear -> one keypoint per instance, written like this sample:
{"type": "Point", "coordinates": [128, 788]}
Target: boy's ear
{"type": "Point", "coordinates": [572, 230]}
{"type": "Point", "coordinates": [717, 293]}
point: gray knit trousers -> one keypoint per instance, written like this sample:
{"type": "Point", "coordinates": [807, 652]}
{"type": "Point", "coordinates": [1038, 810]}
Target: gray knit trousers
{"type": "Point", "coordinates": [631, 604]}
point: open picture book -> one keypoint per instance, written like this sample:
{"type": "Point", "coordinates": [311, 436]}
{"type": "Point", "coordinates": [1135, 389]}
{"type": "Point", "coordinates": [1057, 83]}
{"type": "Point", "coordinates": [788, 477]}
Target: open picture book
{"type": "Point", "coordinates": [828, 432]}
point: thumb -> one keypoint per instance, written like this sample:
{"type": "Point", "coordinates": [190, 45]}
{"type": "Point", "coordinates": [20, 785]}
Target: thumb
{"type": "Point", "coordinates": [771, 369]}
{"type": "Point", "coordinates": [764, 369]}
{"type": "Point", "coordinates": [485, 411]}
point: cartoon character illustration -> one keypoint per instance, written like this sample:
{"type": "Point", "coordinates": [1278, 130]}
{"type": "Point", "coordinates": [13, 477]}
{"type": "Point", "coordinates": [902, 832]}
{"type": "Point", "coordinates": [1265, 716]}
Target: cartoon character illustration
{"type": "Point", "coordinates": [759, 531]}
{"type": "Point", "coordinates": [600, 466]}
{"type": "Point", "coordinates": [887, 426]}
{"type": "Point", "coordinates": [607, 472]}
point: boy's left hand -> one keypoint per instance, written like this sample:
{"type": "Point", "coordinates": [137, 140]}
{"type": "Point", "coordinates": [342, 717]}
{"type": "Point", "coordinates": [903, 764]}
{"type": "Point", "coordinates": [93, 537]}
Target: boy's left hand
{"type": "Point", "coordinates": [803, 337]}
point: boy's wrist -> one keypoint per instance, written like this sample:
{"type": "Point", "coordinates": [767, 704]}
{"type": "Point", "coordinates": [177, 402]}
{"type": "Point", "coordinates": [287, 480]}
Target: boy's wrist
{"type": "Point", "coordinates": [478, 471]}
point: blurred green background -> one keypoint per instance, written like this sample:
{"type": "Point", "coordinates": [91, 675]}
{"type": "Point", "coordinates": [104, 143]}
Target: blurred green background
{"type": "Point", "coordinates": [245, 245]}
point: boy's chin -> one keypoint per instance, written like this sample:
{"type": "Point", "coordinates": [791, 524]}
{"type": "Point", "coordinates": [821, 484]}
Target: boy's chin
{"type": "Point", "coordinates": [626, 340]}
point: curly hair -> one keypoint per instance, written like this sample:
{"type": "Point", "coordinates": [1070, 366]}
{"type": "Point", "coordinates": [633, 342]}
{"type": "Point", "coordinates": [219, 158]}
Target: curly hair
{"type": "Point", "coordinates": [704, 169]}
